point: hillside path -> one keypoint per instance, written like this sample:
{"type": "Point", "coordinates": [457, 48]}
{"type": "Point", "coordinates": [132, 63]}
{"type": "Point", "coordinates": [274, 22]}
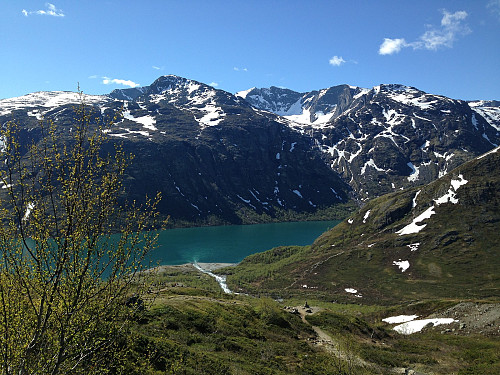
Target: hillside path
{"type": "Point", "coordinates": [328, 343]}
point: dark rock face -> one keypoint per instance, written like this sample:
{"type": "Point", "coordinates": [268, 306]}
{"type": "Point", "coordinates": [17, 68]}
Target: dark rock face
{"type": "Point", "coordinates": [226, 169]}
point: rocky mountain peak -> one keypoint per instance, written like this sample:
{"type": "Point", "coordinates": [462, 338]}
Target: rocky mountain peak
{"type": "Point", "coordinates": [274, 99]}
{"type": "Point", "coordinates": [314, 107]}
{"type": "Point", "coordinates": [172, 84]}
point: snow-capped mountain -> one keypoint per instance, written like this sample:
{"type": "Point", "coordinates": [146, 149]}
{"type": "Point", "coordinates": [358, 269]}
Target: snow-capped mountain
{"type": "Point", "coordinates": [388, 137]}
{"type": "Point", "coordinates": [201, 99]}
{"type": "Point", "coordinates": [215, 158]}
{"type": "Point", "coordinates": [312, 108]}
{"type": "Point", "coordinates": [43, 101]}
{"type": "Point", "coordinates": [271, 153]}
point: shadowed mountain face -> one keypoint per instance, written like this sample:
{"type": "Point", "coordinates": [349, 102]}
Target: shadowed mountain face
{"type": "Point", "coordinates": [273, 154]}
{"type": "Point", "coordinates": [214, 157]}
{"type": "Point", "coordinates": [436, 241]}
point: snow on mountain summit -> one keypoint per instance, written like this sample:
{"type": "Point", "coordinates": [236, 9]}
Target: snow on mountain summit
{"type": "Point", "coordinates": [310, 108]}
{"type": "Point", "coordinates": [379, 140]}
{"type": "Point", "coordinates": [43, 100]}
{"type": "Point", "coordinates": [203, 100]}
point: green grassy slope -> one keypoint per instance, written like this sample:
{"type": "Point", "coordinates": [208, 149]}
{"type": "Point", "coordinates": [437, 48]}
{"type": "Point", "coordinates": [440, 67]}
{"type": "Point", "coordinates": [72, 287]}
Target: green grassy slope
{"type": "Point", "coordinates": [457, 255]}
{"type": "Point", "coordinates": [193, 328]}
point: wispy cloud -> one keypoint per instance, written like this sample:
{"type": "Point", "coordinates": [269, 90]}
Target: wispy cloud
{"type": "Point", "coordinates": [337, 61]}
{"type": "Point", "coordinates": [156, 67]}
{"type": "Point", "coordinates": [213, 84]}
{"type": "Point", "coordinates": [494, 7]}
{"type": "Point", "coordinates": [93, 76]}
{"type": "Point", "coordinates": [240, 69]}
{"type": "Point", "coordinates": [452, 25]}
{"type": "Point", "coordinates": [50, 10]}
{"type": "Point", "coordinates": [114, 81]}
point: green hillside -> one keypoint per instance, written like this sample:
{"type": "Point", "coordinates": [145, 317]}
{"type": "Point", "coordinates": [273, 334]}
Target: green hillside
{"type": "Point", "coordinates": [455, 254]}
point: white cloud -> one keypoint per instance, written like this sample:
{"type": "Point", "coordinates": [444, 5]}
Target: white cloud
{"type": "Point", "coordinates": [51, 10]}
{"type": "Point", "coordinates": [337, 61]}
{"type": "Point", "coordinates": [240, 69]}
{"type": "Point", "coordinates": [451, 26]}
{"type": "Point", "coordinates": [390, 46]}
{"type": "Point", "coordinates": [93, 76]}
{"type": "Point", "coordinates": [436, 37]}
{"type": "Point", "coordinates": [124, 82]}
{"type": "Point", "coordinates": [213, 84]}
{"type": "Point", "coordinates": [453, 20]}
{"type": "Point", "coordinates": [494, 7]}
{"type": "Point", "coordinates": [156, 67]}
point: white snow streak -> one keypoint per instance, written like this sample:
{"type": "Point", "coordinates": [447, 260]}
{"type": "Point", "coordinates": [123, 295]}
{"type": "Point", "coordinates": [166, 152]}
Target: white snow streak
{"type": "Point", "coordinates": [415, 226]}
{"type": "Point", "coordinates": [400, 319]}
{"type": "Point", "coordinates": [366, 216]}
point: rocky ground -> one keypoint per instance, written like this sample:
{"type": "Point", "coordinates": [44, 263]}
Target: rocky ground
{"type": "Point", "coordinates": [473, 318]}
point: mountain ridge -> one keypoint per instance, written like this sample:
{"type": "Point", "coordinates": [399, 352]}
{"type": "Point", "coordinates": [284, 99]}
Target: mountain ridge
{"type": "Point", "coordinates": [352, 143]}
{"type": "Point", "coordinates": [215, 159]}
{"type": "Point", "coordinates": [397, 135]}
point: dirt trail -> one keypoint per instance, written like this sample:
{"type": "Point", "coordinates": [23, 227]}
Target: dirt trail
{"type": "Point", "coordinates": [327, 342]}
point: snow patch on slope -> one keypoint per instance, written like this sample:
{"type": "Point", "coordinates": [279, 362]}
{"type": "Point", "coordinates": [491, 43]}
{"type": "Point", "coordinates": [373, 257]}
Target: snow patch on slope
{"type": "Point", "coordinates": [415, 226]}
{"type": "Point", "coordinates": [402, 264]}
{"type": "Point", "coordinates": [243, 94]}
{"type": "Point", "coordinates": [400, 319]}
{"type": "Point", "coordinates": [146, 121]}
{"type": "Point", "coordinates": [417, 325]}
{"type": "Point", "coordinates": [411, 97]}
{"type": "Point", "coordinates": [490, 114]}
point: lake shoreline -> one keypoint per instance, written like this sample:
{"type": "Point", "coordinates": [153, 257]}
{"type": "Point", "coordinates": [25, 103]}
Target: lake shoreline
{"type": "Point", "coordinates": [206, 266]}
{"type": "Point", "coordinates": [218, 246]}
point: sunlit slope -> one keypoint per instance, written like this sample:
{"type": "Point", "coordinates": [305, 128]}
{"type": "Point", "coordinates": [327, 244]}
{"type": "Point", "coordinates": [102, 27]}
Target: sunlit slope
{"type": "Point", "coordinates": [441, 240]}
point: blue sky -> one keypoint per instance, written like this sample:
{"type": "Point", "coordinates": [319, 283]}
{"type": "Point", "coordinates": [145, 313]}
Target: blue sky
{"type": "Point", "coordinates": [439, 46]}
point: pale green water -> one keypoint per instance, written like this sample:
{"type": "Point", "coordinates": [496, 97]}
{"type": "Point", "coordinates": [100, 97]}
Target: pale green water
{"type": "Point", "coordinates": [232, 243]}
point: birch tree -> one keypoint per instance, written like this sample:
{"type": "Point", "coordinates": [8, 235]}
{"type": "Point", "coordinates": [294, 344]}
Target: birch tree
{"type": "Point", "coordinates": [65, 276]}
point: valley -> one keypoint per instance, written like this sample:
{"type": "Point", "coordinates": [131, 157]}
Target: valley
{"type": "Point", "coordinates": [411, 179]}
{"type": "Point", "coordinates": [279, 187]}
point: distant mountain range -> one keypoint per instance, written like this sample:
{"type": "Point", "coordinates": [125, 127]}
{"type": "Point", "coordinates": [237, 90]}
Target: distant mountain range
{"type": "Point", "coordinates": [274, 154]}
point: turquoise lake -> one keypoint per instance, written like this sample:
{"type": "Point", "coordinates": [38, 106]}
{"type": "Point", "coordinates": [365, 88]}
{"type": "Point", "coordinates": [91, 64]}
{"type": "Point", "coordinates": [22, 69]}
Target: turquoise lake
{"type": "Point", "coordinates": [232, 243]}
